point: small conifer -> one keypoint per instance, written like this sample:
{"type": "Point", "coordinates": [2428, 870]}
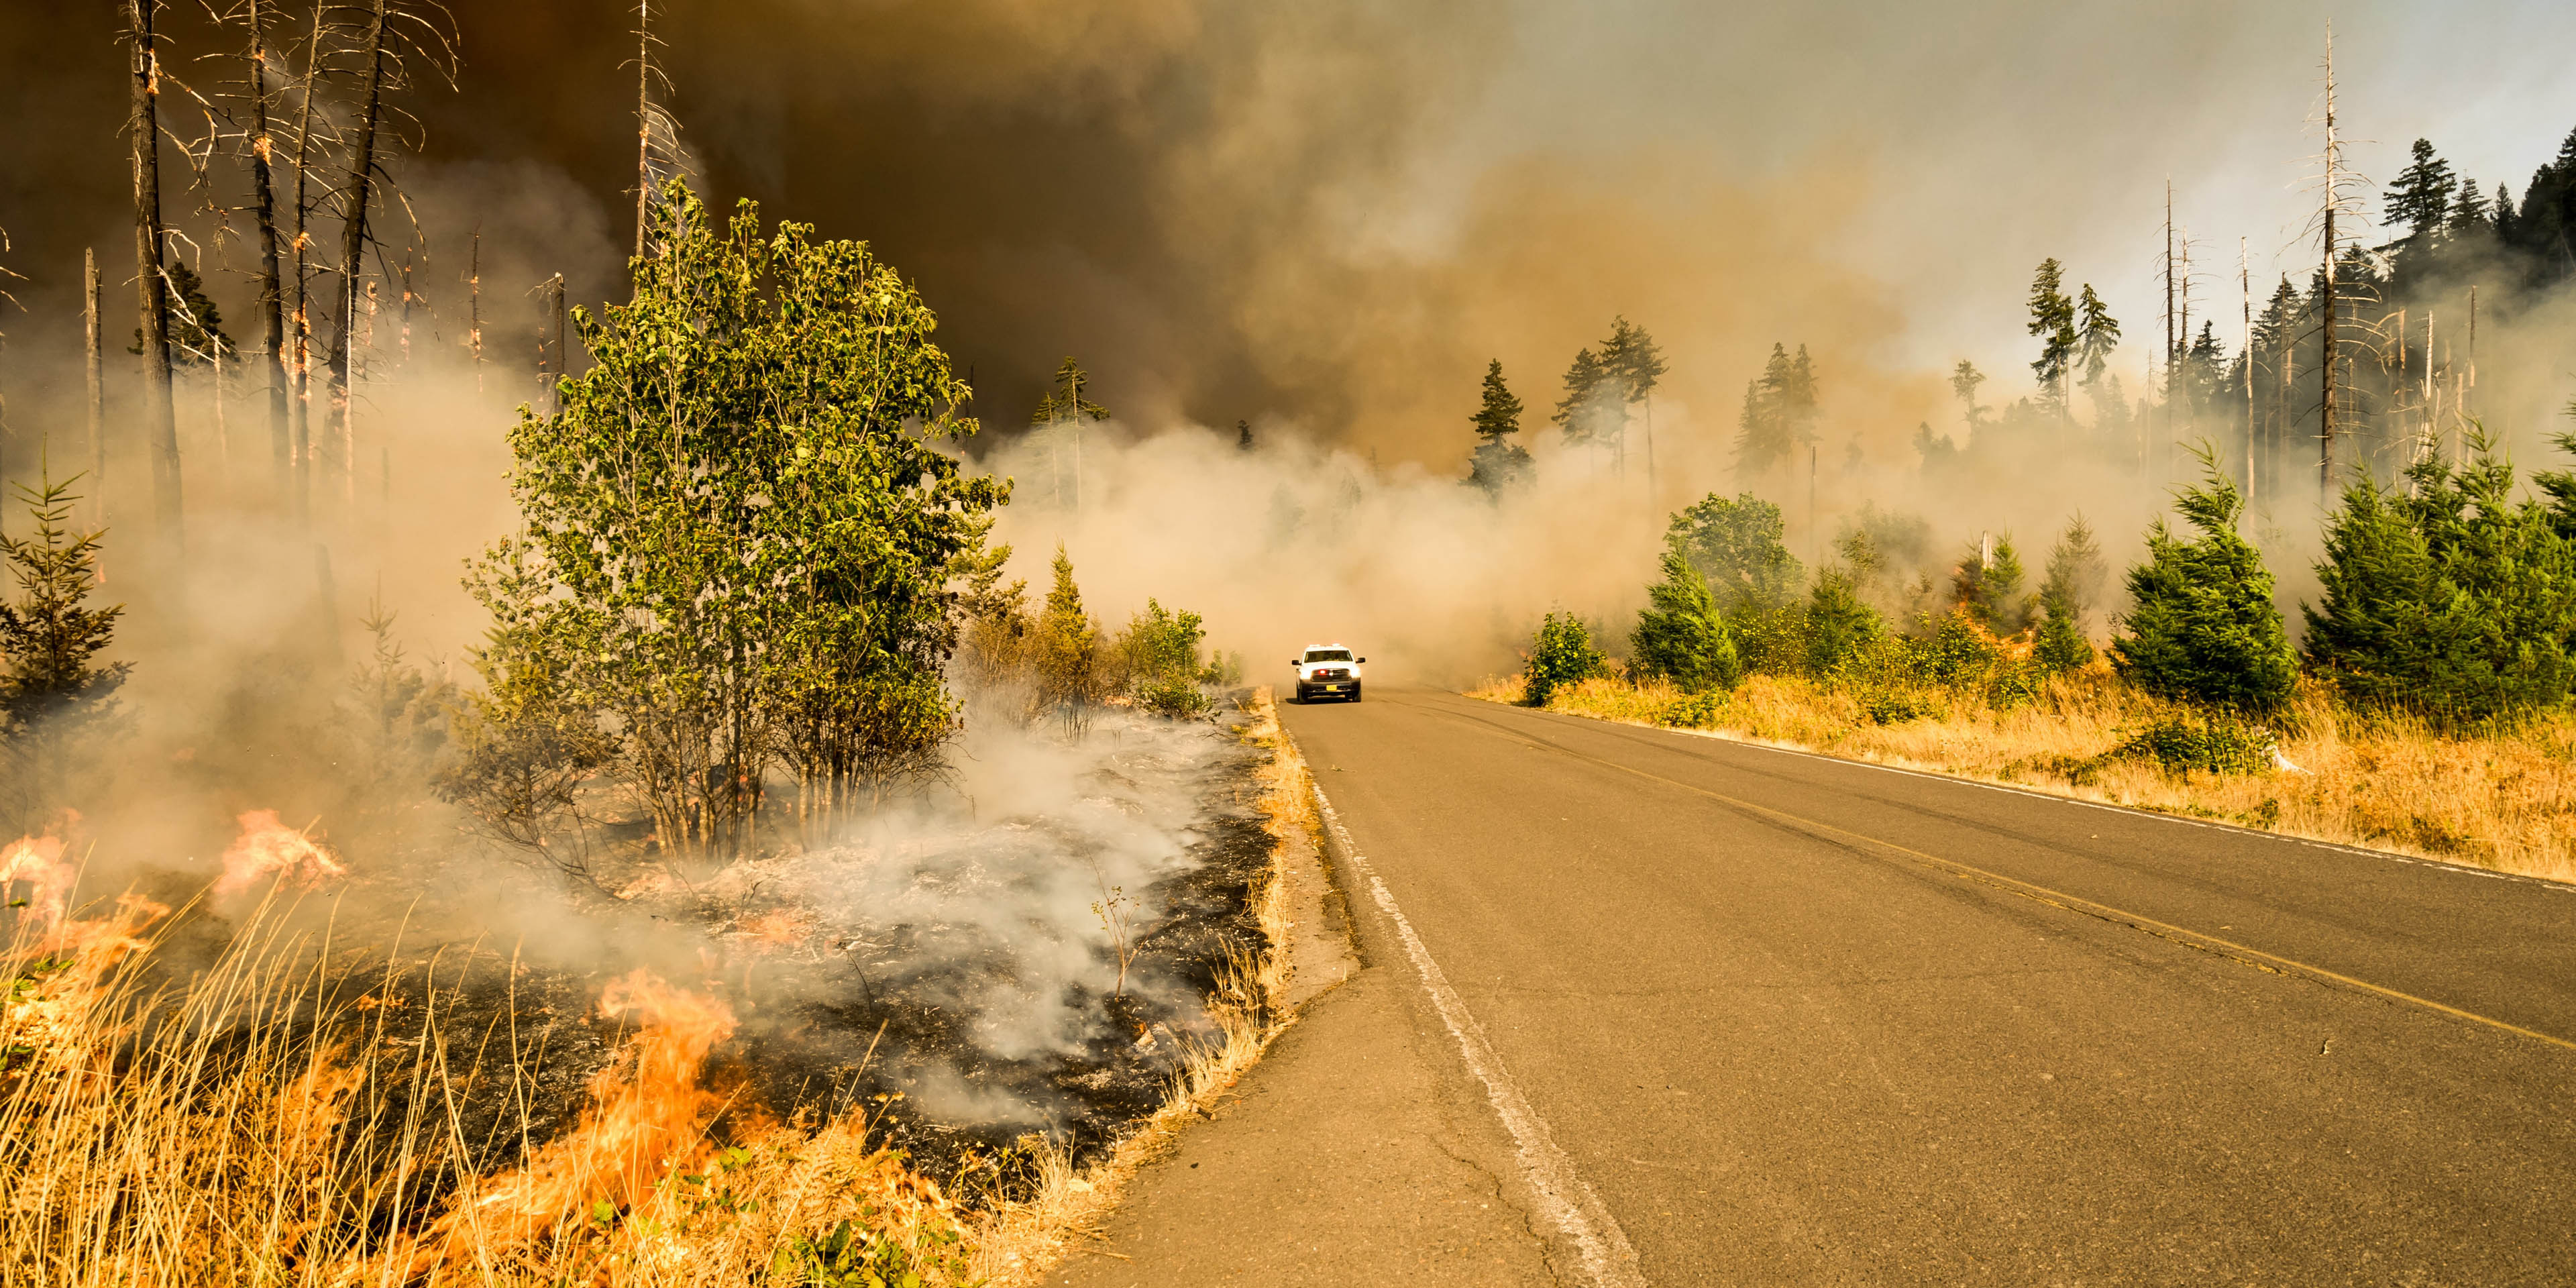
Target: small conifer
{"type": "Point", "coordinates": [2203, 627]}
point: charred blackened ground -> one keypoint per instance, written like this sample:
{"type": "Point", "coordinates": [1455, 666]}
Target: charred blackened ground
{"type": "Point", "coordinates": [955, 973]}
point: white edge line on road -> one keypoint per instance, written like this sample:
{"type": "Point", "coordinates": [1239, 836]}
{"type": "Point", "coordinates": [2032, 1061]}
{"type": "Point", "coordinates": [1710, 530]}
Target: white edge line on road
{"type": "Point", "coordinates": [1565, 1198]}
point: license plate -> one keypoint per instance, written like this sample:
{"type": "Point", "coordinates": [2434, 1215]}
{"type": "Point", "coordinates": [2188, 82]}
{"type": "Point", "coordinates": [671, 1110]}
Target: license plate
{"type": "Point", "coordinates": [1332, 688]}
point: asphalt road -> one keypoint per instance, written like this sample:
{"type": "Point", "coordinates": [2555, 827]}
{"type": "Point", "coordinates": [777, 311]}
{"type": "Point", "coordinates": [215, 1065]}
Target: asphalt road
{"type": "Point", "coordinates": [1735, 1015]}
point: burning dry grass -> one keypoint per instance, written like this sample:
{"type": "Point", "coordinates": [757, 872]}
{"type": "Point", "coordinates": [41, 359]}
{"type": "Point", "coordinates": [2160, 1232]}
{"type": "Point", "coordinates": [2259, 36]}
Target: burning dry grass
{"type": "Point", "coordinates": [272, 1118]}
{"type": "Point", "coordinates": [2501, 800]}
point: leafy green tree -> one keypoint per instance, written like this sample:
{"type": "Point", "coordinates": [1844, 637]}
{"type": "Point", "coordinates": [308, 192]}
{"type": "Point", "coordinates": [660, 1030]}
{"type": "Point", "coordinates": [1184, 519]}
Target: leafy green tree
{"type": "Point", "coordinates": [2202, 627]}
{"type": "Point", "coordinates": [1736, 544]}
{"type": "Point", "coordinates": [1499, 464]}
{"type": "Point", "coordinates": [2052, 320]}
{"type": "Point", "coordinates": [1160, 651]}
{"type": "Point", "coordinates": [53, 690]}
{"type": "Point", "coordinates": [1680, 635]}
{"type": "Point", "coordinates": [739, 529]}
{"type": "Point", "coordinates": [2452, 599]}
{"type": "Point", "coordinates": [1561, 655]}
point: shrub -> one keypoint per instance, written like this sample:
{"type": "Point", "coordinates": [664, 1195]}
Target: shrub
{"type": "Point", "coordinates": [1561, 655]}
{"type": "Point", "coordinates": [2203, 628]}
{"type": "Point", "coordinates": [2452, 600]}
{"type": "Point", "coordinates": [1160, 649]}
{"type": "Point", "coordinates": [1692, 711]}
{"type": "Point", "coordinates": [1680, 635]}
{"type": "Point", "coordinates": [2181, 743]}
{"type": "Point", "coordinates": [1839, 625]}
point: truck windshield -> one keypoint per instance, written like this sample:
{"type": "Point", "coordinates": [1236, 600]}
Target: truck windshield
{"type": "Point", "coordinates": [1328, 655]}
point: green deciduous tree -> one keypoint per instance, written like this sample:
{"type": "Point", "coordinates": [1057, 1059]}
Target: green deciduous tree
{"type": "Point", "coordinates": [1159, 651]}
{"type": "Point", "coordinates": [2202, 627]}
{"type": "Point", "coordinates": [2452, 599]}
{"type": "Point", "coordinates": [739, 529]}
{"type": "Point", "coordinates": [1561, 654]}
{"type": "Point", "coordinates": [1736, 544]}
{"type": "Point", "coordinates": [1499, 464]}
{"type": "Point", "coordinates": [1680, 635]}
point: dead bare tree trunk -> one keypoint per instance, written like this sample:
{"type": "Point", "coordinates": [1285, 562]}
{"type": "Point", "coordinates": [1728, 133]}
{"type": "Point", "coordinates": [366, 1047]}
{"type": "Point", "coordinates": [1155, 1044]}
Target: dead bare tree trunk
{"type": "Point", "coordinates": [2326, 293]}
{"type": "Point", "coordinates": [354, 199]}
{"type": "Point", "coordinates": [151, 290]}
{"type": "Point", "coordinates": [300, 405]}
{"type": "Point", "coordinates": [97, 387]}
{"type": "Point", "coordinates": [643, 118]}
{"type": "Point", "coordinates": [474, 307]}
{"type": "Point", "coordinates": [272, 298]}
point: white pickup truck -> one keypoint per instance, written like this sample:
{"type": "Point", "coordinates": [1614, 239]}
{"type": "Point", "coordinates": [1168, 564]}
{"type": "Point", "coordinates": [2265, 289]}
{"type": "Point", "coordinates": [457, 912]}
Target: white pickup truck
{"type": "Point", "coordinates": [1327, 671]}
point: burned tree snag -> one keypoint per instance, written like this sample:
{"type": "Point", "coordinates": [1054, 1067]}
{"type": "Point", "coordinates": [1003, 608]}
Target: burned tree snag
{"type": "Point", "coordinates": [300, 405]}
{"type": "Point", "coordinates": [355, 197]}
{"type": "Point", "coordinates": [97, 390]}
{"type": "Point", "coordinates": [151, 290]}
{"type": "Point", "coordinates": [272, 296]}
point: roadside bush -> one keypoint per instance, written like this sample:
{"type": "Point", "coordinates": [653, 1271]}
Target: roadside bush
{"type": "Point", "coordinates": [1160, 651]}
{"type": "Point", "coordinates": [1692, 711]}
{"type": "Point", "coordinates": [2219, 745]}
{"type": "Point", "coordinates": [1839, 625]}
{"type": "Point", "coordinates": [1562, 654]}
{"type": "Point", "coordinates": [1680, 636]}
{"type": "Point", "coordinates": [2203, 628]}
{"type": "Point", "coordinates": [2451, 600]}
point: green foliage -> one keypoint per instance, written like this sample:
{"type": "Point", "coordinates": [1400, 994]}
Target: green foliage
{"type": "Point", "coordinates": [1988, 585]}
{"type": "Point", "coordinates": [1779, 414]}
{"type": "Point", "coordinates": [2181, 743]}
{"type": "Point", "coordinates": [2052, 320]}
{"type": "Point", "coordinates": [855, 1256]}
{"type": "Point", "coordinates": [2096, 336]}
{"type": "Point", "coordinates": [1839, 626]}
{"type": "Point", "coordinates": [1065, 647]}
{"type": "Point", "coordinates": [1063, 401]}
{"type": "Point", "coordinates": [1562, 654]}
{"type": "Point", "coordinates": [1161, 653]}
{"type": "Point", "coordinates": [739, 530]}
{"type": "Point", "coordinates": [1591, 410]}
{"type": "Point", "coordinates": [1681, 636]}
{"type": "Point", "coordinates": [2203, 628]}
{"type": "Point", "coordinates": [53, 691]}
{"type": "Point", "coordinates": [2061, 645]}
{"type": "Point", "coordinates": [1736, 544]}
{"type": "Point", "coordinates": [2453, 600]}
{"type": "Point", "coordinates": [1499, 465]}
{"type": "Point", "coordinates": [2075, 573]}
{"type": "Point", "coordinates": [1693, 711]}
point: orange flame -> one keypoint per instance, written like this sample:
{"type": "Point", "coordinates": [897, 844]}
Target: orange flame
{"type": "Point", "coordinates": [646, 1120]}
{"type": "Point", "coordinates": [267, 846]}
{"type": "Point", "coordinates": [38, 860]}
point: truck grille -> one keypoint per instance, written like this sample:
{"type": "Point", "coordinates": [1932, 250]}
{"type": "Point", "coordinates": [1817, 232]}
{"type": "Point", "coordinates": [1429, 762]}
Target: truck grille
{"type": "Point", "coordinates": [1332, 675]}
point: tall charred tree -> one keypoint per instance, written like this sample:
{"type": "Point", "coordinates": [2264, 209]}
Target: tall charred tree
{"type": "Point", "coordinates": [272, 297]}
{"type": "Point", "coordinates": [151, 290]}
{"type": "Point", "coordinates": [97, 385]}
{"type": "Point", "coordinates": [356, 195]}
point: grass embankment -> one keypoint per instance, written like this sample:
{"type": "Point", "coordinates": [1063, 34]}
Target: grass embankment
{"type": "Point", "coordinates": [2504, 800]}
{"type": "Point", "coordinates": [260, 1123]}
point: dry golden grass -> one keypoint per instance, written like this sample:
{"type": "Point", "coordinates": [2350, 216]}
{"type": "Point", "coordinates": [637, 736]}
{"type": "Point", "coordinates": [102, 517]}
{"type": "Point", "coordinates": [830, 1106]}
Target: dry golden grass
{"type": "Point", "coordinates": [2499, 800]}
{"type": "Point", "coordinates": [261, 1122]}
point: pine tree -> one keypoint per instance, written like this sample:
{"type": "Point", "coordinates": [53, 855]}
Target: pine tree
{"type": "Point", "coordinates": [2097, 334]}
{"type": "Point", "coordinates": [2202, 627]}
{"type": "Point", "coordinates": [1066, 648]}
{"type": "Point", "coordinates": [2452, 599]}
{"type": "Point", "coordinates": [1587, 411]}
{"type": "Point", "coordinates": [1680, 635]}
{"type": "Point", "coordinates": [52, 689]}
{"type": "Point", "coordinates": [2075, 571]}
{"type": "Point", "coordinates": [1635, 360]}
{"type": "Point", "coordinates": [1840, 624]}
{"type": "Point", "coordinates": [1779, 413]}
{"type": "Point", "coordinates": [2469, 210]}
{"type": "Point", "coordinates": [1498, 464]}
{"type": "Point", "coordinates": [1988, 585]}
{"type": "Point", "coordinates": [2052, 320]}
{"type": "Point", "coordinates": [2420, 197]}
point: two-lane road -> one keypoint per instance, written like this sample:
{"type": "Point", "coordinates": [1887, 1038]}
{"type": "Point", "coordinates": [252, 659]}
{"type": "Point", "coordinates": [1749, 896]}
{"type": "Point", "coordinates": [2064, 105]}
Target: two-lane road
{"type": "Point", "coordinates": [1794, 1020]}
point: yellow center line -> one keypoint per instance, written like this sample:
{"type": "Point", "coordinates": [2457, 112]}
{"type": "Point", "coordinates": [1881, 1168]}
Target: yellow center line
{"type": "Point", "coordinates": [2055, 898]}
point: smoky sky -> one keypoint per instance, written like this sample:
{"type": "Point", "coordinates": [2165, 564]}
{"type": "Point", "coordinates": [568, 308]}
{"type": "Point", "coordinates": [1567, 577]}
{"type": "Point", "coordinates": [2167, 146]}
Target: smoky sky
{"type": "Point", "coordinates": [1330, 214]}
